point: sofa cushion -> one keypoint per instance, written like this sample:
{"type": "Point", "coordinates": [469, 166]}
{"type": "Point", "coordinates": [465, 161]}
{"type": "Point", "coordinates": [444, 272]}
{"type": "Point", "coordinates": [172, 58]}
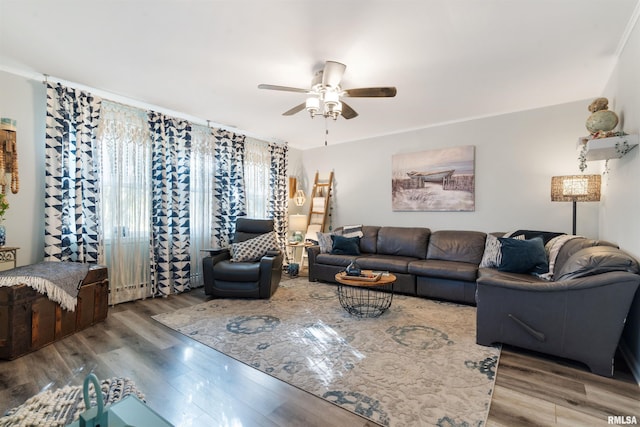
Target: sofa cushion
{"type": "Point", "coordinates": [403, 241]}
{"type": "Point", "coordinates": [523, 256]}
{"type": "Point", "coordinates": [394, 264]}
{"type": "Point", "coordinates": [453, 245]}
{"type": "Point", "coordinates": [334, 259]}
{"type": "Point", "coordinates": [574, 245]}
{"type": "Point", "coordinates": [237, 272]}
{"type": "Point", "coordinates": [369, 240]}
{"type": "Point", "coordinates": [453, 270]}
{"type": "Point", "coordinates": [596, 260]}
{"type": "Point", "coordinates": [345, 245]}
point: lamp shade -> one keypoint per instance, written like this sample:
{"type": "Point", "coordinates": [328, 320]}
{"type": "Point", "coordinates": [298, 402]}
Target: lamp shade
{"type": "Point", "coordinates": [312, 105]}
{"type": "Point", "coordinates": [575, 188]}
{"type": "Point", "coordinates": [298, 222]}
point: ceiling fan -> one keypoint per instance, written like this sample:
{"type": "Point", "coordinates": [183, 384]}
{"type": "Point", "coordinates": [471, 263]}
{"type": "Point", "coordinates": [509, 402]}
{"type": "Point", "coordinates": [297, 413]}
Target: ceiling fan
{"type": "Point", "coordinates": [324, 97]}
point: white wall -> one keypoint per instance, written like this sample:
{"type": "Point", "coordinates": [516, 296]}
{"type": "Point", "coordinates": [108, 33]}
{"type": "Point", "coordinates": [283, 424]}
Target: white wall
{"type": "Point", "coordinates": [25, 101]}
{"type": "Point", "coordinates": [516, 156]}
{"type": "Point", "coordinates": [619, 213]}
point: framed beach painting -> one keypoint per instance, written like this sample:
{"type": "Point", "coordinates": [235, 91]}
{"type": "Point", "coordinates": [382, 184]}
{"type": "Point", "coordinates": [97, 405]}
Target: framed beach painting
{"type": "Point", "coordinates": [434, 180]}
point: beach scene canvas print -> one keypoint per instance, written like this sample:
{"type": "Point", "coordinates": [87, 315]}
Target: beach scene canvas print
{"type": "Point", "coordinates": [434, 180]}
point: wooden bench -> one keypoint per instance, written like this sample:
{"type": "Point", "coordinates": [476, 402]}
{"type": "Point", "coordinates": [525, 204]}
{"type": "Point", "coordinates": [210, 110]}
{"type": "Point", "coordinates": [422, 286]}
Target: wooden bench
{"type": "Point", "coordinates": [29, 320]}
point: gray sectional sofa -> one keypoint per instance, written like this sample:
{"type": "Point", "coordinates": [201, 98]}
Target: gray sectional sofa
{"type": "Point", "coordinates": [577, 312]}
{"type": "Point", "coordinates": [439, 264]}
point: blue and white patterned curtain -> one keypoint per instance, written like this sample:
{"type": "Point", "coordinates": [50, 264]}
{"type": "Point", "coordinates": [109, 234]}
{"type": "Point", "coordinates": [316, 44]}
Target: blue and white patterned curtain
{"type": "Point", "coordinates": [71, 221]}
{"type": "Point", "coordinates": [170, 257]}
{"type": "Point", "coordinates": [229, 192]}
{"type": "Point", "coordinates": [279, 196]}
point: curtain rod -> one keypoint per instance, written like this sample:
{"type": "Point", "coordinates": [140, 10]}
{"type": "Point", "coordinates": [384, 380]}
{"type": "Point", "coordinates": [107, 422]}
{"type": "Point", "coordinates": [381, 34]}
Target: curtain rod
{"type": "Point", "coordinates": [46, 78]}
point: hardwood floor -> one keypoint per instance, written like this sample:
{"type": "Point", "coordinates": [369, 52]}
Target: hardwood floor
{"type": "Point", "coordinates": [193, 385]}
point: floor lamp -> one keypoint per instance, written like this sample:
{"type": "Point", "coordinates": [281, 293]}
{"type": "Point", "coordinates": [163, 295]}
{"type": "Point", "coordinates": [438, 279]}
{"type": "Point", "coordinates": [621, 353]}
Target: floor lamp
{"type": "Point", "coordinates": [575, 188]}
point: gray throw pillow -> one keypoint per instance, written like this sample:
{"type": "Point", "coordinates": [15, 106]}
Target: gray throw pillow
{"type": "Point", "coordinates": [492, 254]}
{"type": "Point", "coordinates": [325, 242]}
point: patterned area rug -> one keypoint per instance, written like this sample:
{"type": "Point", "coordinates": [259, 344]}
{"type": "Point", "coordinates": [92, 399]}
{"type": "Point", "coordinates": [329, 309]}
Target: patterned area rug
{"type": "Point", "coordinates": [417, 364]}
{"type": "Point", "coordinates": [64, 405]}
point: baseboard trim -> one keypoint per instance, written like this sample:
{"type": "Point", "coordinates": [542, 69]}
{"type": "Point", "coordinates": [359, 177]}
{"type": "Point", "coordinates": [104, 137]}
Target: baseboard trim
{"type": "Point", "coordinates": [632, 362]}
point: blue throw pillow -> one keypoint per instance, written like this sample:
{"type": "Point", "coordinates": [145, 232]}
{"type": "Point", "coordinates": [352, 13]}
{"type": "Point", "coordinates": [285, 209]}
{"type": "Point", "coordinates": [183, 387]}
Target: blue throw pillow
{"type": "Point", "coordinates": [523, 256]}
{"type": "Point", "coordinates": [345, 245]}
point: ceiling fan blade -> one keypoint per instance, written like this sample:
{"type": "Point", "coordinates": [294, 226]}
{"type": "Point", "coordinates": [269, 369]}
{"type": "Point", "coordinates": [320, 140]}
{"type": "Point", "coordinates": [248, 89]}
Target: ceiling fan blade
{"type": "Point", "coordinates": [295, 110]}
{"type": "Point", "coordinates": [332, 73]}
{"type": "Point", "coordinates": [348, 112]}
{"type": "Point", "coordinates": [283, 88]}
{"type": "Point", "coordinates": [372, 92]}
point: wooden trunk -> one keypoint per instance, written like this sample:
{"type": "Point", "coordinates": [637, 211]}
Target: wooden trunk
{"type": "Point", "coordinates": [29, 320]}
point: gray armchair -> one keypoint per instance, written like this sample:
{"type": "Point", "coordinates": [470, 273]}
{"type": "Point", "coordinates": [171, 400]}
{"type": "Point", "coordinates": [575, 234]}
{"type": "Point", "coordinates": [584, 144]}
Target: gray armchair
{"type": "Point", "coordinates": [247, 279]}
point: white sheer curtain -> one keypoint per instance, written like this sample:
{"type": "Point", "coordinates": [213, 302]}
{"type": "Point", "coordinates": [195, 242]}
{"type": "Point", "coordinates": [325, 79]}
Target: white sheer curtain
{"type": "Point", "coordinates": [124, 155]}
{"type": "Point", "coordinates": [257, 168]}
{"type": "Point", "coordinates": [201, 203]}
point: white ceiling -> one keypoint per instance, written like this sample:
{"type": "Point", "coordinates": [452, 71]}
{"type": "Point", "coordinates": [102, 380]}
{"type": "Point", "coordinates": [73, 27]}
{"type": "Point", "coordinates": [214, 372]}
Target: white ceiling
{"type": "Point", "coordinates": [450, 60]}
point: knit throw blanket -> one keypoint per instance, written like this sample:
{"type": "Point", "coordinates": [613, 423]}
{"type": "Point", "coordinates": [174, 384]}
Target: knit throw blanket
{"type": "Point", "coordinates": [59, 281]}
{"type": "Point", "coordinates": [58, 408]}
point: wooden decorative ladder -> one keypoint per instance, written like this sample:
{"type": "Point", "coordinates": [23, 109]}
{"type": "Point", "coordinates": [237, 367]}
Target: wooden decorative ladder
{"type": "Point", "coordinates": [320, 210]}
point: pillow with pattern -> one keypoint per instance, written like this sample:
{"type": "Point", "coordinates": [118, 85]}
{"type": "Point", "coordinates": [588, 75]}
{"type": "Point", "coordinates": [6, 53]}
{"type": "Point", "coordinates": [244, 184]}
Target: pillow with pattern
{"type": "Point", "coordinates": [254, 249]}
{"type": "Point", "coordinates": [352, 231]}
{"type": "Point", "coordinates": [325, 242]}
{"type": "Point", "coordinates": [492, 255]}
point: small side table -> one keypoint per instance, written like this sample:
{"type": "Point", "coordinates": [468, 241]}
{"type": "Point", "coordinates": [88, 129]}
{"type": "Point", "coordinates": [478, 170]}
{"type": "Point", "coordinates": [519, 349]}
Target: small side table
{"type": "Point", "coordinates": [8, 257]}
{"type": "Point", "coordinates": [297, 253]}
{"type": "Point", "coordinates": [363, 298]}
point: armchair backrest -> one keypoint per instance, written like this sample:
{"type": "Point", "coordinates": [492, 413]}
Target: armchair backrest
{"type": "Point", "coordinates": [247, 228]}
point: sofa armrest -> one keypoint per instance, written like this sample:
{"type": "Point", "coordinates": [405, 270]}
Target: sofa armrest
{"type": "Point", "coordinates": [270, 261]}
{"type": "Point", "coordinates": [312, 253]}
{"type": "Point", "coordinates": [525, 282]}
{"type": "Point", "coordinates": [270, 272]}
{"type": "Point", "coordinates": [218, 255]}
{"type": "Point", "coordinates": [214, 251]}
{"type": "Point", "coordinates": [207, 267]}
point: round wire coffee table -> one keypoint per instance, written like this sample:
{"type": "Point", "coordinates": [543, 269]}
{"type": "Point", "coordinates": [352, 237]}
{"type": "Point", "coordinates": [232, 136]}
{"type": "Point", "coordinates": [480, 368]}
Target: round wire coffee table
{"type": "Point", "coordinates": [363, 297]}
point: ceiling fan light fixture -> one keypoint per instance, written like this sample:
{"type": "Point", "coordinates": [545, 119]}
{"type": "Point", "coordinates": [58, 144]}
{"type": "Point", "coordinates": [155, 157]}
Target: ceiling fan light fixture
{"type": "Point", "coordinates": [334, 110]}
{"type": "Point", "coordinates": [331, 98]}
{"type": "Point", "coordinates": [312, 105]}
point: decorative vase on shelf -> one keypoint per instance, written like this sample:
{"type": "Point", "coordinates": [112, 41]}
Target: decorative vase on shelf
{"type": "Point", "coordinates": [3, 235]}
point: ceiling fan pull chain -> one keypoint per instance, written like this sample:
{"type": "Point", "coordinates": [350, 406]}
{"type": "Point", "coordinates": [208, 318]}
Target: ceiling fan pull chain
{"type": "Point", "coordinates": [326, 131]}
